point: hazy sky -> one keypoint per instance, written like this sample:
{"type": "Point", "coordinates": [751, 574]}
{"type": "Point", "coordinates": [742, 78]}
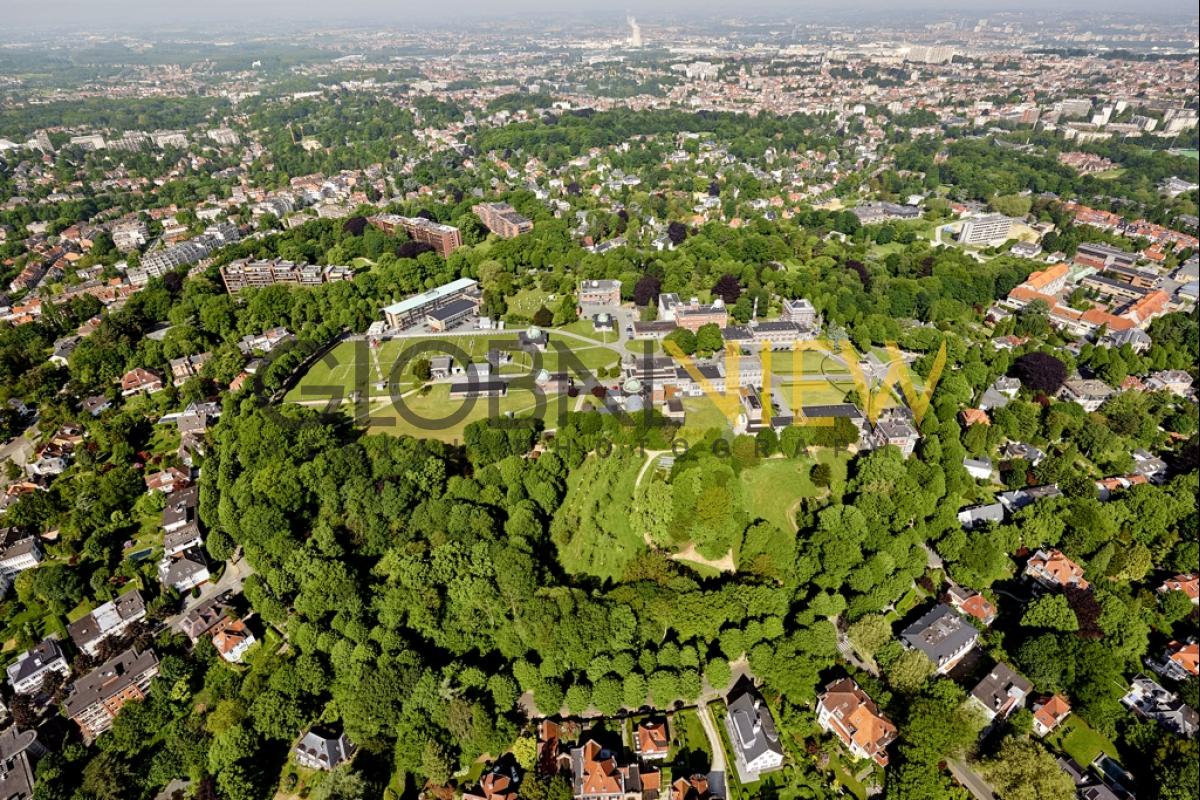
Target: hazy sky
{"type": "Point", "coordinates": [226, 13]}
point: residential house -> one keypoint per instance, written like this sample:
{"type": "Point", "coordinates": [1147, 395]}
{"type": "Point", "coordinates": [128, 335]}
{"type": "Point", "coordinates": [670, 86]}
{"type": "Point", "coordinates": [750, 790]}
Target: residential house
{"type": "Point", "coordinates": [233, 640]}
{"type": "Point", "coordinates": [847, 712]}
{"type": "Point", "coordinates": [265, 342]}
{"type": "Point", "coordinates": [974, 416]}
{"type": "Point", "coordinates": [1175, 381]}
{"type": "Point", "coordinates": [1180, 661]}
{"type": "Point", "coordinates": [140, 381]}
{"type": "Point", "coordinates": [180, 509]}
{"type": "Point", "coordinates": [1001, 692]}
{"type": "Point", "coordinates": [651, 740]}
{"type": "Point", "coordinates": [1090, 394]}
{"type": "Point", "coordinates": [323, 748]}
{"type": "Point", "coordinates": [756, 745]}
{"type": "Point", "coordinates": [978, 468]}
{"type": "Point", "coordinates": [27, 674]}
{"type": "Point", "coordinates": [110, 619]}
{"type": "Point", "coordinates": [94, 700]}
{"type": "Point", "coordinates": [1188, 583]}
{"type": "Point", "coordinates": [18, 552]}
{"type": "Point", "coordinates": [898, 433]}
{"type": "Point", "coordinates": [596, 774]}
{"type": "Point", "coordinates": [168, 480]}
{"type": "Point", "coordinates": [210, 617]}
{"type": "Point", "coordinates": [695, 787]}
{"type": "Point", "coordinates": [977, 516]}
{"type": "Point", "coordinates": [185, 368]}
{"type": "Point", "coordinates": [942, 635]}
{"type": "Point", "coordinates": [496, 784]}
{"type": "Point", "coordinates": [183, 571]}
{"type": "Point", "coordinates": [1052, 569]}
{"type": "Point", "coordinates": [1151, 701]}
{"type": "Point", "coordinates": [971, 603]}
{"type": "Point", "coordinates": [1148, 465]}
{"type": "Point", "coordinates": [1049, 712]}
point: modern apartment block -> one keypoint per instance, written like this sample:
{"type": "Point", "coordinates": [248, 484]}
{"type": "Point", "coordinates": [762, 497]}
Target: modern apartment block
{"type": "Point", "coordinates": [94, 700]}
{"type": "Point", "coordinates": [246, 273]}
{"type": "Point", "coordinates": [445, 239]}
{"type": "Point", "coordinates": [988, 229]}
{"type": "Point", "coordinates": [503, 220]}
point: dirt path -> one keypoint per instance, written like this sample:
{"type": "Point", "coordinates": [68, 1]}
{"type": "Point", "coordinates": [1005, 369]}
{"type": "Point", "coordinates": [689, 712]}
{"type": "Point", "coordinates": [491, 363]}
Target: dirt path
{"type": "Point", "coordinates": [722, 564]}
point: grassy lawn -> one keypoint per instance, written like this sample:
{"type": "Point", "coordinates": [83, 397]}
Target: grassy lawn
{"type": "Point", "coordinates": [584, 327]}
{"type": "Point", "coordinates": [702, 414]}
{"type": "Point", "coordinates": [527, 301]}
{"type": "Point", "coordinates": [690, 753]}
{"type": "Point", "coordinates": [845, 776]}
{"type": "Point", "coordinates": [1080, 741]}
{"type": "Point", "coordinates": [432, 408]}
{"type": "Point", "coordinates": [593, 529]}
{"type": "Point", "coordinates": [774, 486]}
{"type": "Point", "coordinates": [340, 370]}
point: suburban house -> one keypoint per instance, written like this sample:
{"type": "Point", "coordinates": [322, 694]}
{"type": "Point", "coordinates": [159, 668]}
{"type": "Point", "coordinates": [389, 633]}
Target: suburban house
{"type": "Point", "coordinates": [848, 713]}
{"type": "Point", "coordinates": [18, 552]}
{"type": "Point", "coordinates": [110, 619]}
{"type": "Point", "coordinates": [168, 480]}
{"type": "Point", "coordinates": [207, 618]}
{"type": "Point", "coordinates": [1188, 583]}
{"type": "Point", "coordinates": [29, 671]}
{"type": "Point", "coordinates": [692, 788]}
{"type": "Point", "coordinates": [1052, 569]}
{"type": "Point", "coordinates": [971, 603]}
{"type": "Point", "coordinates": [180, 508]}
{"type": "Point", "coordinates": [233, 640]}
{"type": "Point", "coordinates": [1001, 692]}
{"type": "Point", "coordinates": [181, 539]}
{"type": "Point", "coordinates": [978, 468]}
{"type": "Point", "coordinates": [324, 749]}
{"type": "Point", "coordinates": [188, 367]}
{"type": "Point", "coordinates": [1090, 394]}
{"type": "Point", "coordinates": [899, 433]}
{"type": "Point", "coordinates": [1147, 699]}
{"type": "Point", "coordinates": [140, 381]}
{"type": "Point", "coordinates": [1049, 713]}
{"type": "Point", "coordinates": [1180, 661]}
{"type": "Point", "coordinates": [652, 740]}
{"type": "Point", "coordinates": [184, 570]}
{"type": "Point", "coordinates": [596, 775]}
{"type": "Point", "coordinates": [974, 416]}
{"type": "Point", "coordinates": [942, 635]}
{"type": "Point", "coordinates": [496, 784]}
{"type": "Point", "coordinates": [94, 700]}
{"type": "Point", "coordinates": [751, 729]}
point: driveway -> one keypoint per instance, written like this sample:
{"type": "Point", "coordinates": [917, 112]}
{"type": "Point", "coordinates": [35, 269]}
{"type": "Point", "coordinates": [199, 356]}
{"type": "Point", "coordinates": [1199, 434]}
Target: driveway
{"type": "Point", "coordinates": [230, 581]}
{"type": "Point", "coordinates": [971, 780]}
{"type": "Point", "coordinates": [716, 774]}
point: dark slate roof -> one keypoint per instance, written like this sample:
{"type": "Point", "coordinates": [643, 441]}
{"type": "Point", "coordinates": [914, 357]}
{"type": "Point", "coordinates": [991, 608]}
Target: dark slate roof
{"type": "Point", "coordinates": [754, 726]}
{"type": "Point", "coordinates": [939, 633]}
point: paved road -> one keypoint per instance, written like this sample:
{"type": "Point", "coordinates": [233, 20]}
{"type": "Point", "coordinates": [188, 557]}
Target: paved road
{"type": "Point", "coordinates": [716, 774]}
{"type": "Point", "coordinates": [971, 780]}
{"type": "Point", "coordinates": [230, 581]}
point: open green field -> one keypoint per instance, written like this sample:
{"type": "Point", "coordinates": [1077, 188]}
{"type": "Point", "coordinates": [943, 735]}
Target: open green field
{"type": "Point", "coordinates": [341, 367]}
{"type": "Point", "coordinates": [432, 408]}
{"type": "Point", "coordinates": [774, 487]}
{"type": "Point", "coordinates": [584, 327]}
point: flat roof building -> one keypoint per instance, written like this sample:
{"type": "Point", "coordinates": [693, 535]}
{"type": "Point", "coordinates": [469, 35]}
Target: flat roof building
{"type": "Point", "coordinates": [413, 309]}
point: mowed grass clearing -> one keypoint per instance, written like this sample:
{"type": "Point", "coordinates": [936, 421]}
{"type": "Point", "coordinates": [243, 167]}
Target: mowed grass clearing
{"type": "Point", "coordinates": [432, 414]}
{"type": "Point", "coordinates": [774, 486]}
